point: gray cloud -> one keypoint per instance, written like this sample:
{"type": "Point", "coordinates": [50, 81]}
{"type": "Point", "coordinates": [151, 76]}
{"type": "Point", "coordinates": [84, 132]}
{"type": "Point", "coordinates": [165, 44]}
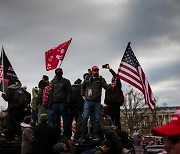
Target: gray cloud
{"type": "Point", "coordinates": [100, 31]}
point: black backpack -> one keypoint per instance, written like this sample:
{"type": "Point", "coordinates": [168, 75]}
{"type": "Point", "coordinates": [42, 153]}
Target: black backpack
{"type": "Point", "coordinates": [115, 95]}
{"type": "Point", "coordinates": [20, 98]}
{"type": "Point", "coordinates": [89, 151]}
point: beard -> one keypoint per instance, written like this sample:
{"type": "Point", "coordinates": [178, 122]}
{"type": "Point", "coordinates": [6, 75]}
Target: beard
{"type": "Point", "coordinates": [59, 76]}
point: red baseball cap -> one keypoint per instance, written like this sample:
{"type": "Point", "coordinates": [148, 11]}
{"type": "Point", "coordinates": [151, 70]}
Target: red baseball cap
{"type": "Point", "coordinates": [171, 129]}
{"type": "Point", "coordinates": [94, 68]}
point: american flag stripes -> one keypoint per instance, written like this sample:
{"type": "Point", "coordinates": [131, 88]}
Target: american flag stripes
{"type": "Point", "coordinates": [131, 72]}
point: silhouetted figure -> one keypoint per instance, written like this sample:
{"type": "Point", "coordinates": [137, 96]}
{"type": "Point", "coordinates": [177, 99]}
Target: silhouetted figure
{"type": "Point", "coordinates": [27, 110]}
{"type": "Point", "coordinates": [60, 97]}
{"type": "Point", "coordinates": [14, 112]}
{"type": "Point", "coordinates": [27, 145]}
{"type": "Point", "coordinates": [45, 137]}
{"type": "Point", "coordinates": [113, 98]}
{"type": "Point", "coordinates": [75, 107]}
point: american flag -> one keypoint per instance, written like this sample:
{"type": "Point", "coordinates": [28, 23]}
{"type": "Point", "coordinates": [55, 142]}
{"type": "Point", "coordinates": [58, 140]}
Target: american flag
{"type": "Point", "coordinates": [131, 72]}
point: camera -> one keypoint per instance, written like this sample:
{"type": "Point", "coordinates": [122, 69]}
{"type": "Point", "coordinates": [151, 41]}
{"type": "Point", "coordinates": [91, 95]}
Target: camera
{"type": "Point", "coordinates": [105, 66]}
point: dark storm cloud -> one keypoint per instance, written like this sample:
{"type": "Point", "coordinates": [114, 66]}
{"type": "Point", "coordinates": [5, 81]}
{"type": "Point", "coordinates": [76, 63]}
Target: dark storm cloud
{"type": "Point", "coordinates": [149, 21]}
{"type": "Point", "coordinates": [100, 31]}
{"type": "Point", "coordinates": [169, 71]}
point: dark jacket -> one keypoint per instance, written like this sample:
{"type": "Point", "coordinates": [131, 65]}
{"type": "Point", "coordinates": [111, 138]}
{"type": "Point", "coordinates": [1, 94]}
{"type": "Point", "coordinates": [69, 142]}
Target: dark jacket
{"type": "Point", "coordinates": [98, 150]}
{"type": "Point", "coordinates": [61, 90]}
{"type": "Point", "coordinates": [96, 84]}
{"type": "Point", "coordinates": [27, 145]}
{"type": "Point", "coordinates": [10, 96]}
{"type": "Point", "coordinates": [28, 95]}
{"type": "Point", "coordinates": [113, 95]}
{"type": "Point", "coordinates": [77, 100]}
{"type": "Point", "coordinates": [45, 138]}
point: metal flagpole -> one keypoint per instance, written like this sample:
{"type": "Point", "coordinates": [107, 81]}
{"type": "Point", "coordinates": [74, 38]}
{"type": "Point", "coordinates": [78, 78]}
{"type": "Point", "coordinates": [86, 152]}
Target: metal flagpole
{"type": "Point", "coordinates": [60, 64]}
{"type": "Point", "coordinates": [2, 53]}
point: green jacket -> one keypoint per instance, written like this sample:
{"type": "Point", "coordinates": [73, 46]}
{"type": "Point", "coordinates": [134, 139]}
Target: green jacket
{"type": "Point", "coordinates": [95, 85]}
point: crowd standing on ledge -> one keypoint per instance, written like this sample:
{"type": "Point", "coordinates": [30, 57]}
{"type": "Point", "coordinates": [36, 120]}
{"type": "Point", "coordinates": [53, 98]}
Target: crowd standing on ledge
{"type": "Point", "coordinates": [61, 116]}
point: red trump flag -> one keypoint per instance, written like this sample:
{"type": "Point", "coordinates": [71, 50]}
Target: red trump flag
{"type": "Point", "coordinates": [53, 56]}
{"type": "Point", "coordinates": [131, 72]}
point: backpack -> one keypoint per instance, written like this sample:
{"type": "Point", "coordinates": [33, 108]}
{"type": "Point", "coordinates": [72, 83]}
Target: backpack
{"type": "Point", "coordinates": [121, 97]}
{"type": "Point", "coordinates": [114, 95]}
{"type": "Point", "coordinates": [89, 151]}
{"type": "Point", "coordinates": [92, 151]}
{"type": "Point", "coordinates": [20, 98]}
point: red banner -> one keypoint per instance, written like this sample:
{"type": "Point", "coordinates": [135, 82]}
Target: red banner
{"type": "Point", "coordinates": [53, 56]}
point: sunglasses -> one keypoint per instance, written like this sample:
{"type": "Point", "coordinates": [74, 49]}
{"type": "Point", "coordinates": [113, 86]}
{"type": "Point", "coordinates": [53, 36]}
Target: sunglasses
{"type": "Point", "coordinates": [96, 70]}
{"type": "Point", "coordinates": [173, 139]}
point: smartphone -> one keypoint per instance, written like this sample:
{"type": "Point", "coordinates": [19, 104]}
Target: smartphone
{"type": "Point", "coordinates": [105, 65]}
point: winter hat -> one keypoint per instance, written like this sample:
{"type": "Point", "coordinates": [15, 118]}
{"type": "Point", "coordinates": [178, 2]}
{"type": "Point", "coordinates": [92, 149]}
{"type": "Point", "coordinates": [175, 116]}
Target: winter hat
{"type": "Point", "coordinates": [78, 81]}
{"type": "Point", "coordinates": [45, 78]}
{"type": "Point", "coordinates": [171, 129]}
{"type": "Point", "coordinates": [94, 68]}
{"type": "Point", "coordinates": [42, 84]}
{"type": "Point", "coordinates": [24, 88]}
{"type": "Point", "coordinates": [43, 118]}
{"type": "Point", "coordinates": [58, 71]}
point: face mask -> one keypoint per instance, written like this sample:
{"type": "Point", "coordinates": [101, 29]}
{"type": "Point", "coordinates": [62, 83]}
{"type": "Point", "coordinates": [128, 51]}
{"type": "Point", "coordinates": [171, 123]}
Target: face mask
{"type": "Point", "coordinates": [59, 75]}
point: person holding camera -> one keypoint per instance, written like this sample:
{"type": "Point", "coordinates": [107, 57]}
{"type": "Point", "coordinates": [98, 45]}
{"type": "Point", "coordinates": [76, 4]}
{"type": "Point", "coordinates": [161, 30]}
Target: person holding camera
{"type": "Point", "coordinates": [91, 90]}
{"type": "Point", "coordinates": [114, 97]}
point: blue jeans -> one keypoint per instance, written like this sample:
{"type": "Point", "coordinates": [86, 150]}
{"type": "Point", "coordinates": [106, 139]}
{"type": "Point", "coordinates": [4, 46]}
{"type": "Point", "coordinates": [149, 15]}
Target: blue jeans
{"type": "Point", "coordinates": [50, 114]}
{"type": "Point", "coordinates": [92, 109]}
{"type": "Point", "coordinates": [59, 110]}
{"type": "Point", "coordinates": [34, 114]}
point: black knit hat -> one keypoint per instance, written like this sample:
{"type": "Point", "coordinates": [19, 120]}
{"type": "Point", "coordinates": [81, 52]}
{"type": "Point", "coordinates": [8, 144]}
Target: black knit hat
{"type": "Point", "coordinates": [78, 81]}
{"type": "Point", "coordinates": [59, 70]}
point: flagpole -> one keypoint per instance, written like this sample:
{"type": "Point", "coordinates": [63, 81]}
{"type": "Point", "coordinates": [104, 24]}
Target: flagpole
{"type": "Point", "coordinates": [60, 64]}
{"type": "Point", "coordinates": [66, 50]}
{"type": "Point", "coordinates": [2, 68]}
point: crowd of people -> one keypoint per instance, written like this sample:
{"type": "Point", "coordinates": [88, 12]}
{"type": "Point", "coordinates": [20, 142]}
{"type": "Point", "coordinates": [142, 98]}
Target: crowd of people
{"type": "Point", "coordinates": [61, 115]}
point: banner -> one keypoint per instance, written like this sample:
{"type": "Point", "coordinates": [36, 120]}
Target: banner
{"type": "Point", "coordinates": [7, 73]}
{"type": "Point", "coordinates": [53, 56]}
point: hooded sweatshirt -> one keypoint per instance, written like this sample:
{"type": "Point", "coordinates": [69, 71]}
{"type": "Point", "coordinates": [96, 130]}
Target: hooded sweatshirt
{"type": "Point", "coordinates": [27, 138]}
{"type": "Point", "coordinates": [137, 146]}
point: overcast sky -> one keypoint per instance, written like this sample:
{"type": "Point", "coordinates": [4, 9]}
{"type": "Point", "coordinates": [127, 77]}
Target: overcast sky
{"type": "Point", "coordinates": [100, 31]}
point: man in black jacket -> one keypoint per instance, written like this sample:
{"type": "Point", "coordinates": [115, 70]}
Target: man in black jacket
{"type": "Point", "coordinates": [75, 107]}
{"type": "Point", "coordinates": [14, 112]}
{"type": "Point", "coordinates": [60, 97]}
{"type": "Point", "coordinates": [27, 110]}
{"type": "Point", "coordinates": [113, 98]}
{"type": "Point", "coordinates": [45, 137]}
